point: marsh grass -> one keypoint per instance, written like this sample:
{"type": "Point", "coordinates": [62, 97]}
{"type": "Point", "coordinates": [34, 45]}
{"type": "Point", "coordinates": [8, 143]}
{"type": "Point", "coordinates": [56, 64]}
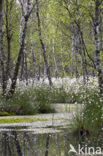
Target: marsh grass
{"type": "Point", "coordinates": [30, 101]}
{"type": "Point", "coordinates": [91, 117]}
{"type": "Point", "coordinates": [37, 98]}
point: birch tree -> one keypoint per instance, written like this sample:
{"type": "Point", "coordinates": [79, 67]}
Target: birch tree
{"type": "Point", "coordinates": [97, 43]}
{"type": "Point", "coordinates": [54, 56]}
{"type": "Point", "coordinates": [42, 44]}
{"type": "Point", "coordinates": [17, 66]}
{"type": "Point", "coordinates": [9, 6]}
{"type": "Point", "coordinates": [32, 46]}
{"type": "Point", "coordinates": [1, 48]}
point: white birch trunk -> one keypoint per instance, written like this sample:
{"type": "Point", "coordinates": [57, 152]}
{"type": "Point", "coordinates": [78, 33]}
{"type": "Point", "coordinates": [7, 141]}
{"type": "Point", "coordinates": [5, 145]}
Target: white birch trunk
{"type": "Point", "coordinates": [97, 45]}
{"type": "Point", "coordinates": [43, 46]}
{"type": "Point", "coordinates": [62, 56]}
{"type": "Point", "coordinates": [55, 61]}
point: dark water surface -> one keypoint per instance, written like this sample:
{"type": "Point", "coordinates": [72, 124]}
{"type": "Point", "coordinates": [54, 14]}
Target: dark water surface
{"type": "Point", "coordinates": [45, 138]}
{"type": "Point", "coordinates": [54, 142]}
{"type": "Point", "coordinates": [27, 143]}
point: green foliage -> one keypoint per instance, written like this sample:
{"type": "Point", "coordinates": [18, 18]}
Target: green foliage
{"type": "Point", "coordinates": [43, 99]}
{"type": "Point", "coordinates": [90, 118]}
{"type": "Point", "coordinates": [30, 101]}
{"type": "Point", "coordinates": [72, 95]}
{"type": "Point", "coordinates": [58, 95]}
{"type": "Point", "coordinates": [56, 23]}
{"type": "Point", "coordinates": [6, 114]}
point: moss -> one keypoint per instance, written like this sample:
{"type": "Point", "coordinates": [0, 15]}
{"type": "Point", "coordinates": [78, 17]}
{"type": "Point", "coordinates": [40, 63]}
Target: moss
{"type": "Point", "coordinates": [20, 120]}
{"type": "Point", "coordinates": [6, 114]}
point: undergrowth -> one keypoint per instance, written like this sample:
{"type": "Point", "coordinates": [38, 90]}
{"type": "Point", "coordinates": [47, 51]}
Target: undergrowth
{"type": "Point", "coordinates": [29, 101]}
{"type": "Point", "coordinates": [91, 117]}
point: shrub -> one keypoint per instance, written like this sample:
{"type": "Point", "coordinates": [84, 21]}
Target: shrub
{"type": "Point", "coordinates": [91, 117]}
{"type": "Point", "coordinates": [37, 96]}
{"type": "Point", "coordinates": [29, 101]}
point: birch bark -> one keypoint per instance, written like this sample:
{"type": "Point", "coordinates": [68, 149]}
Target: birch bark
{"type": "Point", "coordinates": [1, 49]}
{"type": "Point", "coordinates": [43, 47]}
{"type": "Point", "coordinates": [22, 45]}
{"type": "Point", "coordinates": [55, 61]}
{"type": "Point", "coordinates": [32, 49]}
{"type": "Point", "coordinates": [97, 45]}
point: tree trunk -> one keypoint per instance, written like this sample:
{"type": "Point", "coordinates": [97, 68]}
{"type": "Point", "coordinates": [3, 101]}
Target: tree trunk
{"type": "Point", "coordinates": [20, 38]}
{"type": "Point", "coordinates": [1, 49]}
{"type": "Point", "coordinates": [83, 50]}
{"type": "Point", "coordinates": [9, 37]}
{"type": "Point", "coordinates": [43, 47]}
{"type": "Point", "coordinates": [17, 144]}
{"type": "Point", "coordinates": [62, 62]}
{"type": "Point", "coordinates": [39, 68]}
{"type": "Point", "coordinates": [72, 63]}
{"type": "Point", "coordinates": [82, 57]}
{"type": "Point", "coordinates": [17, 66]}
{"type": "Point", "coordinates": [32, 51]}
{"type": "Point", "coordinates": [45, 43]}
{"type": "Point", "coordinates": [4, 144]}
{"type": "Point", "coordinates": [75, 50]}
{"type": "Point", "coordinates": [55, 61]}
{"type": "Point", "coordinates": [101, 32]}
{"type": "Point", "coordinates": [22, 45]}
{"type": "Point", "coordinates": [34, 60]}
{"type": "Point", "coordinates": [25, 65]}
{"type": "Point", "coordinates": [97, 45]}
{"type": "Point", "coordinates": [24, 144]}
{"type": "Point", "coordinates": [76, 62]}
{"type": "Point", "coordinates": [22, 68]}
{"type": "Point", "coordinates": [47, 145]}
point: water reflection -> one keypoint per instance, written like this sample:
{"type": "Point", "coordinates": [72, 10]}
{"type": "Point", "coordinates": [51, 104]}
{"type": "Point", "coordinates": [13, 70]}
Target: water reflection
{"type": "Point", "coordinates": [15, 143]}
{"type": "Point", "coordinates": [29, 143]}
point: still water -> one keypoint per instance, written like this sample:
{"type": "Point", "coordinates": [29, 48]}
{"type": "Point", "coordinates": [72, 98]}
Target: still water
{"type": "Point", "coordinates": [30, 143]}
{"type": "Point", "coordinates": [52, 137]}
{"type": "Point", "coordinates": [51, 141]}
{"type": "Point", "coordinates": [41, 138]}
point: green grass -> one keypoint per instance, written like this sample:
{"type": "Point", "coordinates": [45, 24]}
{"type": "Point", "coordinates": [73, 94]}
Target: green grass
{"type": "Point", "coordinates": [30, 101]}
{"type": "Point", "coordinates": [20, 120]}
{"type": "Point", "coordinates": [61, 95]}
{"type": "Point", "coordinates": [7, 114]}
{"type": "Point", "coordinates": [27, 102]}
{"type": "Point", "coordinates": [91, 117]}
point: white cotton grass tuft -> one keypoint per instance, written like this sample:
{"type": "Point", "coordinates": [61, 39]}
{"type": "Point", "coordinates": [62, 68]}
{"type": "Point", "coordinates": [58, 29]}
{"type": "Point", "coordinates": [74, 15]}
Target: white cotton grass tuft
{"type": "Point", "coordinates": [67, 83]}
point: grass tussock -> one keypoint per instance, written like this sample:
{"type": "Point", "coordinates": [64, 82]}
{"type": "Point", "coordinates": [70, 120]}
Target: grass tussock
{"type": "Point", "coordinates": [91, 117]}
{"type": "Point", "coordinates": [27, 102]}
{"type": "Point", "coordinates": [37, 98]}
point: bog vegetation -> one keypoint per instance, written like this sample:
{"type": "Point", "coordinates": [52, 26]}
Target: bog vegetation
{"type": "Point", "coordinates": [51, 52]}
